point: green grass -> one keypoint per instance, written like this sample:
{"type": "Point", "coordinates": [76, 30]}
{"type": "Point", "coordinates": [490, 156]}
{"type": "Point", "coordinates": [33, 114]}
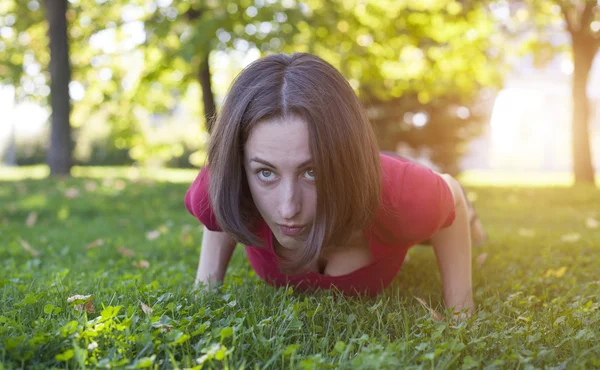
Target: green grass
{"type": "Point", "coordinates": [536, 293]}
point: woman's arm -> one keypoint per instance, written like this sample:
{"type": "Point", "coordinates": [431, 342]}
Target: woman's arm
{"type": "Point", "coordinates": [217, 248]}
{"type": "Point", "coordinates": [452, 248]}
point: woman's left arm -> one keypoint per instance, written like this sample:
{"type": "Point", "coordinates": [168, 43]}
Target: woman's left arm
{"type": "Point", "coordinates": [452, 247]}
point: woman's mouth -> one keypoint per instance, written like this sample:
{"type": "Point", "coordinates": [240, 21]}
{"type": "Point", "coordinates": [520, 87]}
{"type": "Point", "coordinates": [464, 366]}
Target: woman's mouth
{"type": "Point", "coordinates": [290, 231]}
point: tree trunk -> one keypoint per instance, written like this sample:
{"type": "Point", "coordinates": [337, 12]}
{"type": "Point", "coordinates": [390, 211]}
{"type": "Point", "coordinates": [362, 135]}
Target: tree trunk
{"type": "Point", "coordinates": [584, 50]}
{"type": "Point", "coordinates": [60, 152]}
{"type": "Point", "coordinates": [207, 93]}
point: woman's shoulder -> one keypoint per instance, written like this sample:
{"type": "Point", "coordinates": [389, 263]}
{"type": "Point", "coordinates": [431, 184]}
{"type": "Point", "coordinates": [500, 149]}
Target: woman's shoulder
{"type": "Point", "coordinates": [415, 201]}
{"type": "Point", "coordinates": [197, 201]}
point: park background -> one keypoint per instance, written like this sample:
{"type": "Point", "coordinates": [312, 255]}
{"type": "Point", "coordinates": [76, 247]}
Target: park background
{"type": "Point", "coordinates": [105, 112]}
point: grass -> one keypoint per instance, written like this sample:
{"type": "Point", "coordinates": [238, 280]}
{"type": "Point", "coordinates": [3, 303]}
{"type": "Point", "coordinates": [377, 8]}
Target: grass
{"type": "Point", "coordinates": [130, 241]}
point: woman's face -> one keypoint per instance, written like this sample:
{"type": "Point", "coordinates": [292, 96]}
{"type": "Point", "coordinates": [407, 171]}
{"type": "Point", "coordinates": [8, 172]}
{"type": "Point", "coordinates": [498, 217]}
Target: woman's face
{"type": "Point", "coordinates": [279, 168]}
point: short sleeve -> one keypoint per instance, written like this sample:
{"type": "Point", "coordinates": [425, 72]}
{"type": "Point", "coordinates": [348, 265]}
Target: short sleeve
{"type": "Point", "coordinates": [197, 201]}
{"type": "Point", "coordinates": [426, 203]}
{"type": "Point", "coordinates": [416, 203]}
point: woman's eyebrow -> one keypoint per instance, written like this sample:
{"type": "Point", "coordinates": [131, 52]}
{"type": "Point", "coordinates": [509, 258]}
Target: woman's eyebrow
{"type": "Point", "coordinates": [259, 160]}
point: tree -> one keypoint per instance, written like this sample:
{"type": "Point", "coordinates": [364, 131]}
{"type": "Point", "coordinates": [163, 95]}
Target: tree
{"type": "Point", "coordinates": [581, 19]}
{"type": "Point", "coordinates": [182, 37]}
{"type": "Point", "coordinates": [60, 152]}
{"type": "Point", "coordinates": [585, 41]}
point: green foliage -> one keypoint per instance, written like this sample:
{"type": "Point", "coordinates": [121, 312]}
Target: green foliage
{"type": "Point", "coordinates": [536, 292]}
{"type": "Point", "coordinates": [391, 51]}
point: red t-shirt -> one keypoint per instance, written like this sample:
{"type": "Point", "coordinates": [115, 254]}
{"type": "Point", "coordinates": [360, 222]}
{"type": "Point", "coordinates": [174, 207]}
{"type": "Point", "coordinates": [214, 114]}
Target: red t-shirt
{"type": "Point", "coordinates": [415, 203]}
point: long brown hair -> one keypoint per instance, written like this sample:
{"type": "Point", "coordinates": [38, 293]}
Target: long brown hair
{"type": "Point", "coordinates": [342, 144]}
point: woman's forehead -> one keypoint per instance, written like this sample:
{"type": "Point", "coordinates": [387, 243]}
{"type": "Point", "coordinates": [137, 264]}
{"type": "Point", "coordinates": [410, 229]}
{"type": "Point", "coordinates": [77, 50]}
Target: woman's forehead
{"type": "Point", "coordinates": [282, 140]}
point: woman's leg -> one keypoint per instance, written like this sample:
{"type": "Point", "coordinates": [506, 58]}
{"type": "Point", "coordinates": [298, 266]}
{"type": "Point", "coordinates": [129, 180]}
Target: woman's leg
{"type": "Point", "coordinates": [478, 234]}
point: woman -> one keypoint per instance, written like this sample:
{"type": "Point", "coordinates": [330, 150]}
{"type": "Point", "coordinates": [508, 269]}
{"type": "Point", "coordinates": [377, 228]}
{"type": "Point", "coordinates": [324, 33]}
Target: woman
{"type": "Point", "coordinates": [294, 173]}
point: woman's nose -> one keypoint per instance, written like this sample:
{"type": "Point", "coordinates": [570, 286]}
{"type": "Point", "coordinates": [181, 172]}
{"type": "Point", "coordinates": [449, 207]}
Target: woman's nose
{"type": "Point", "coordinates": [290, 201]}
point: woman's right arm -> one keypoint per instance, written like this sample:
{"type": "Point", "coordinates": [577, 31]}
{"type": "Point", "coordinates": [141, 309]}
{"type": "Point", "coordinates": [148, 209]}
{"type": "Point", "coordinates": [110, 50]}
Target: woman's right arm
{"type": "Point", "coordinates": [217, 248]}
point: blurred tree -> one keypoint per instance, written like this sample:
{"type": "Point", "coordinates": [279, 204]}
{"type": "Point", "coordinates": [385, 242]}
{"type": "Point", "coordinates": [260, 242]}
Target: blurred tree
{"type": "Point", "coordinates": [536, 22]}
{"type": "Point", "coordinates": [582, 19]}
{"type": "Point", "coordinates": [96, 68]}
{"type": "Point", "coordinates": [406, 59]}
{"type": "Point", "coordinates": [411, 56]}
{"type": "Point", "coordinates": [181, 36]}
{"type": "Point", "coordinates": [60, 152]}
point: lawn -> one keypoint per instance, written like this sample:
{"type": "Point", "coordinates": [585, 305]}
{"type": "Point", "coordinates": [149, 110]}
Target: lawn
{"type": "Point", "coordinates": [131, 244]}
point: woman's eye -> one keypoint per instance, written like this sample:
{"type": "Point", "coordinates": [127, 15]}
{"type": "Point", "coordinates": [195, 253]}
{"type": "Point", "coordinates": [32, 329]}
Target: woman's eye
{"type": "Point", "coordinates": [265, 175]}
{"type": "Point", "coordinates": [310, 174]}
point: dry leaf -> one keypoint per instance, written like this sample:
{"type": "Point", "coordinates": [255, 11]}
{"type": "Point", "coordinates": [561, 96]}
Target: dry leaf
{"type": "Point", "coordinates": [89, 307]}
{"type": "Point", "coordinates": [558, 273]}
{"type": "Point", "coordinates": [147, 309]}
{"type": "Point", "coordinates": [90, 186]}
{"type": "Point", "coordinates": [434, 314]}
{"type": "Point", "coordinates": [28, 248]}
{"type": "Point", "coordinates": [528, 233]}
{"type": "Point", "coordinates": [83, 302]}
{"type": "Point", "coordinates": [71, 193]}
{"type": "Point", "coordinates": [126, 252]}
{"type": "Point", "coordinates": [96, 243]}
{"type": "Point", "coordinates": [152, 235]}
{"type": "Point", "coordinates": [592, 223]}
{"type": "Point", "coordinates": [570, 238]}
{"type": "Point", "coordinates": [480, 259]}
{"type": "Point", "coordinates": [119, 184]}
{"type": "Point", "coordinates": [186, 236]}
{"type": "Point", "coordinates": [142, 264]}
{"type": "Point", "coordinates": [31, 219]}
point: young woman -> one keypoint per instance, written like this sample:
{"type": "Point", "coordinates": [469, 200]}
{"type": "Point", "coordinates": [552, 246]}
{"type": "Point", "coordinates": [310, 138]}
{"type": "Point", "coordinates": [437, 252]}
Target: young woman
{"type": "Point", "coordinates": [294, 173]}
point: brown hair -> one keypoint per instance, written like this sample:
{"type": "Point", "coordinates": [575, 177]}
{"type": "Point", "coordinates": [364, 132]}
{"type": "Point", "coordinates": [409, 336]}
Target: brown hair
{"type": "Point", "coordinates": [342, 145]}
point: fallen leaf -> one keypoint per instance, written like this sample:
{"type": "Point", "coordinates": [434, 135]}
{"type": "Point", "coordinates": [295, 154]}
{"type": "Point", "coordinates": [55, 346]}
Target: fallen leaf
{"type": "Point", "coordinates": [91, 186]}
{"type": "Point", "coordinates": [186, 237]}
{"type": "Point", "coordinates": [152, 235]}
{"type": "Point", "coordinates": [434, 314]}
{"type": "Point", "coordinates": [89, 307]}
{"type": "Point", "coordinates": [31, 219]}
{"type": "Point", "coordinates": [592, 223]}
{"type": "Point", "coordinates": [560, 272]}
{"type": "Point", "coordinates": [480, 259]}
{"type": "Point", "coordinates": [119, 185]}
{"type": "Point", "coordinates": [71, 193]}
{"type": "Point", "coordinates": [570, 238]}
{"type": "Point", "coordinates": [28, 248]}
{"type": "Point", "coordinates": [82, 302]}
{"type": "Point", "coordinates": [96, 243]}
{"type": "Point", "coordinates": [147, 309]}
{"type": "Point", "coordinates": [126, 252]}
{"type": "Point", "coordinates": [142, 264]}
{"type": "Point", "coordinates": [528, 233]}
